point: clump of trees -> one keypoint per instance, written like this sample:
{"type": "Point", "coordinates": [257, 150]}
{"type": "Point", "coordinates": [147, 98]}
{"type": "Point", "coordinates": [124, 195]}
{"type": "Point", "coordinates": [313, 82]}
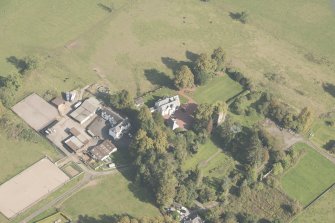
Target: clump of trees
{"type": "Point", "coordinates": [284, 115]}
{"type": "Point", "coordinates": [203, 69]}
{"type": "Point", "coordinates": [158, 153]}
{"type": "Point", "coordinates": [184, 78]}
{"type": "Point", "coordinates": [238, 76]}
{"type": "Point", "coordinates": [121, 100]}
{"type": "Point", "coordinates": [9, 85]}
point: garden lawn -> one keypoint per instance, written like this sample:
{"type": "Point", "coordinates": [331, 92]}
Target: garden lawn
{"type": "Point", "coordinates": [321, 211]}
{"type": "Point", "coordinates": [220, 88]}
{"type": "Point", "coordinates": [309, 177]}
{"type": "Point", "coordinates": [205, 151]}
{"type": "Point", "coordinates": [110, 195]}
{"type": "Point", "coordinates": [220, 166]}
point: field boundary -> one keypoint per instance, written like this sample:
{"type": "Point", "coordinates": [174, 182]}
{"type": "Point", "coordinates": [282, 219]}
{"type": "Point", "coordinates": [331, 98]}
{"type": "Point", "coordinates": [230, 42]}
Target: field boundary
{"type": "Point", "coordinates": [314, 201]}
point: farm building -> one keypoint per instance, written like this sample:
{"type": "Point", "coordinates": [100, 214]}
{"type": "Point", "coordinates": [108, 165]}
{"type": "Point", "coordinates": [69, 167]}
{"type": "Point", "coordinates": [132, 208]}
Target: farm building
{"type": "Point", "coordinates": [172, 123]}
{"type": "Point", "coordinates": [167, 106]}
{"type": "Point", "coordinates": [58, 102]}
{"type": "Point", "coordinates": [120, 129]}
{"type": "Point", "coordinates": [102, 151]}
{"type": "Point", "coordinates": [77, 141]}
{"type": "Point", "coordinates": [37, 112]}
{"type": "Point", "coordinates": [86, 110]}
{"type": "Point", "coordinates": [112, 117]}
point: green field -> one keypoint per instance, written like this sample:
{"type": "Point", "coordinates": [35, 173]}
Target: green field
{"type": "Point", "coordinates": [322, 133]}
{"type": "Point", "coordinates": [140, 43]}
{"type": "Point", "coordinates": [205, 151]}
{"type": "Point", "coordinates": [220, 166]}
{"type": "Point", "coordinates": [218, 89]}
{"type": "Point", "coordinates": [107, 196]}
{"type": "Point", "coordinates": [18, 155]}
{"type": "Point", "coordinates": [321, 211]}
{"type": "Point", "coordinates": [309, 177]}
{"type": "Point", "coordinates": [54, 218]}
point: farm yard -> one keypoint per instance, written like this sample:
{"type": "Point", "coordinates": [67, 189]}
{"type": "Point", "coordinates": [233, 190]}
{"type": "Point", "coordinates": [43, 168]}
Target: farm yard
{"type": "Point", "coordinates": [309, 177]}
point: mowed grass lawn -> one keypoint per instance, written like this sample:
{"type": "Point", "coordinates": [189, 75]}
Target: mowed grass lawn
{"type": "Point", "coordinates": [110, 195]}
{"type": "Point", "coordinates": [219, 166]}
{"type": "Point", "coordinates": [321, 211]}
{"type": "Point", "coordinates": [205, 151]}
{"type": "Point", "coordinates": [219, 89]}
{"type": "Point", "coordinates": [309, 177]}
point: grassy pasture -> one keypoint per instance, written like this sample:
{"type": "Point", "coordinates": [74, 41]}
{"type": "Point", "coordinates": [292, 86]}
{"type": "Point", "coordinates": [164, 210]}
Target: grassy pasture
{"type": "Point", "coordinates": [110, 195]}
{"type": "Point", "coordinates": [18, 155]}
{"type": "Point", "coordinates": [322, 133]}
{"type": "Point", "coordinates": [309, 177]}
{"type": "Point", "coordinates": [218, 89]}
{"type": "Point", "coordinates": [321, 211]}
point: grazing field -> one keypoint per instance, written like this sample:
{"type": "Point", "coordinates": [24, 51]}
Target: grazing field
{"type": "Point", "coordinates": [321, 211]}
{"type": "Point", "coordinates": [322, 133]}
{"type": "Point", "coordinates": [107, 196]}
{"type": "Point", "coordinates": [218, 89]}
{"type": "Point", "coordinates": [139, 44]}
{"type": "Point", "coordinates": [309, 177]}
{"type": "Point", "coordinates": [12, 160]}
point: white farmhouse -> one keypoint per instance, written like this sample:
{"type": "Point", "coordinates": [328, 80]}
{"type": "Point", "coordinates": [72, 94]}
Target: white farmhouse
{"type": "Point", "coordinates": [167, 106]}
{"type": "Point", "coordinates": [120, 129]}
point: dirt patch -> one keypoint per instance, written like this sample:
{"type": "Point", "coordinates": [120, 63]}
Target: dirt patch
{"type": "Point", "coordinates": [288, 138]}
{"type": "Point", "coordinates": [72, 45]}
{"type": "Point", "coordinates": [30, 186]}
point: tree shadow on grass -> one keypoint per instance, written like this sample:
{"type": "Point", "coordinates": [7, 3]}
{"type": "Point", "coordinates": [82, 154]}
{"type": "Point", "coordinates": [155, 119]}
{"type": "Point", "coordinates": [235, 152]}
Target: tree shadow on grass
{"type": "Point", "coordinates": [174, 64]}
{"type": "Point", "coordinates": [102, 218]}
{"type": "Point", "coordinates": [238, 16]}
{"type": "Point", "coordinates": [20, 64]}
{"type": "Point", "coordinates": [191, 56]}
{"type": "Point", "coordinates": [158, 78]}
{"type": "Point", "coordinates": [329, 88]}
{"type": "Point", "coordinates": [139, 191]}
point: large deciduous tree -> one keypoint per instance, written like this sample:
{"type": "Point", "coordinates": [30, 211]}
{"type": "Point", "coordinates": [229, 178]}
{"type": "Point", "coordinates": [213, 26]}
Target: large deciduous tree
{"type": "Point", "coordinates": [204, 69]}
{"type": "Point", "coordinates": [184, 78]}
{"type": "Point", "coordinates": [218, 56]}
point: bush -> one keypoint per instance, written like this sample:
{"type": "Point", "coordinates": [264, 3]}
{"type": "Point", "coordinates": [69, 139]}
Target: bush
{"type": "Point", "coordinates": [277, 169]}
